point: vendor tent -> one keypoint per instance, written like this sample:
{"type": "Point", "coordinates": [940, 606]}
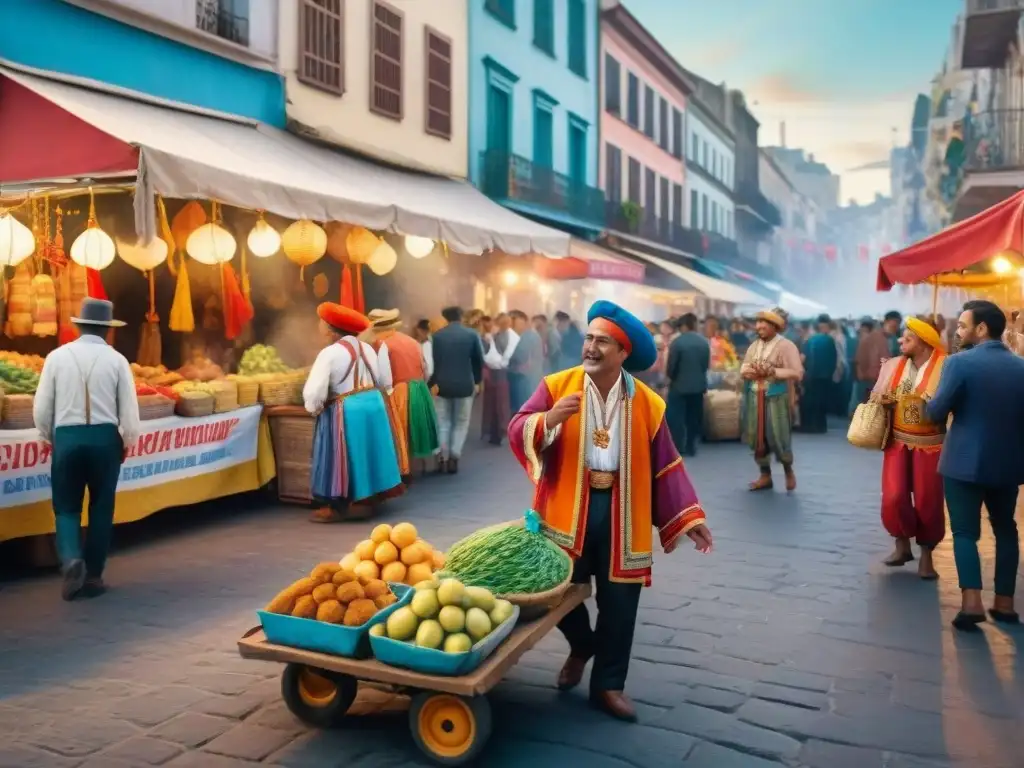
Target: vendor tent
{"type": "Point", "coordinates": [963, 245]}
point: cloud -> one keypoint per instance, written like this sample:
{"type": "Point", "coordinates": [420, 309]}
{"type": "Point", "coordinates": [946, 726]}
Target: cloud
{"type": "Point", "coordinates": [862, 155]}
{"type": "Point", "coordinates": [780, 88]}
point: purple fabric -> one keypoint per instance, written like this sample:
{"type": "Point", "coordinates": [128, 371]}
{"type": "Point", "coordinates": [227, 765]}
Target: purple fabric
{"type": "Point", "coordinates": [673, 491]}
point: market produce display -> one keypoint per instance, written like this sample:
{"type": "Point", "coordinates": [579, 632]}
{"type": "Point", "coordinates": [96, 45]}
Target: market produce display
{"type": "Point", "coordinates": [145, 390]}
{"type": "Point", "coordinates": [509, 559]}
{"type": "Point", "coordinates": [44, 306]}
{"type": "Point", "coordinates": [446, 616]}
{"type": "Point", "coordinates": [29, 362]}
{"type": "Point", "coordinates": [201, 368]}
{"type": "Point", "coordinates": [395, 554]}
{"type": "Point", "coordinates": [333, 595]}
{"type": "Point", "coordinates": [16, 379]}
{"type": "Point", "coordinates": [261, 358]}
{"type": "Point", "coordinates": [155, 376]}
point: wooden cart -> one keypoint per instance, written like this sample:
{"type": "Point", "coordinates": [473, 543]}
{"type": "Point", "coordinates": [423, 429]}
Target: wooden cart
{"type": "Point", "coordinates": [450, 717]}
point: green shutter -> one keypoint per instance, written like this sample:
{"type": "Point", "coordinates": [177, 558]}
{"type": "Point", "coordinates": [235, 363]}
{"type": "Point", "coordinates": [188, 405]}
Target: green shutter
{"type": "Point", "coordinates": [578, 37]}
{"type": "Point", "coordinates": [544, 25]}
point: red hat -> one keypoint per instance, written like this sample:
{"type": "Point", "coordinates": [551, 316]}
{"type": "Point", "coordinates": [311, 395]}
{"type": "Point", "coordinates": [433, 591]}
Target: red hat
{"type": "Point", "coordinates": [342, 318]}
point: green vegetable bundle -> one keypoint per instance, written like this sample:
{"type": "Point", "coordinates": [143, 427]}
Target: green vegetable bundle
{"type": "Point", "coordinates": [508, 560]}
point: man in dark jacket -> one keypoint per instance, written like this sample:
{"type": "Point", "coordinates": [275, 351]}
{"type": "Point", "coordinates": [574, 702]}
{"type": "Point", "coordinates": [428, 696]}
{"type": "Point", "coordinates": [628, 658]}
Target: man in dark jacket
{"type": "Point", "coordinates": [689, 357]}
{"type": "Point", "coordinates": [572, 341]}
{"type": "Point", "coordinates": [458, 371]}
{"type": "Point", "coordinates": [983, 456]}
{"type": "Point", "coordinates": [526, 366]}
{"type": "Point", "coordinates": [820, 364]}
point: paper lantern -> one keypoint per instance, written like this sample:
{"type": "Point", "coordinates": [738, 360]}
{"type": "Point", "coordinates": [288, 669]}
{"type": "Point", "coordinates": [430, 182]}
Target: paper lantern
{"type": "Point", "coordinates": [143, 257]}
{"type": "Point", "coordinates": [361, 244]}
{"type": "Point", "coordinates": [383, 259]}
{"type": "Point", "coordinates": [419, 247]}
{"type": "Point", "coordinates": [16, 241]}
{"type": "Point", "coordinates": [304, 242]}
{"type": "Point", "coordinates": [93, 249]}
{"type": "Point", "coordinates": [337, 241]}
{"type": "Point", "coordinates": [190, 218]}
{"type": "Point", "coordinates": [211, 244]}
{"type": "Point", "coordinates": [263, 240]}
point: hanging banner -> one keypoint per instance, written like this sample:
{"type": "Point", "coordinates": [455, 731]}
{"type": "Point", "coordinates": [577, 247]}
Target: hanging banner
{"type": "Point", "coordinates": [168, 451]}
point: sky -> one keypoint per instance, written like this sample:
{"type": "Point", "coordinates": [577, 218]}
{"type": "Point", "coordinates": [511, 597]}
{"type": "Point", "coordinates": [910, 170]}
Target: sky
{"type": "Point", "coordinates": [841, 74]}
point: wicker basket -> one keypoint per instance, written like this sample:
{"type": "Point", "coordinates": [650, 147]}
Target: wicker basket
{"type": "Point", "coordinates": [870, 426]}
{"type": "Point", "coordinates": [722, 416]}
{"type": "Point", "coordinates": [155, 407]}
{"type": "Point", "coordinates": [226, 397]}
{"type": "Point", "coordinates": [291, 431]}
{"type": "Point", "coordinates": [194, 404]}
{"type": "Point", "coordinates": [17, 411]}
{"type": "Point", "coordinates": [278, 392]}
{"type": "Point", "coordinates": [536, 605]}
{"type": "Point", "coordinates": [248, 391]}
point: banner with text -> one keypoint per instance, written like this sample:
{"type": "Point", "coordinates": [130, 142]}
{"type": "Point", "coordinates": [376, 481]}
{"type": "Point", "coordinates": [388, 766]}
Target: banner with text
{"type": "Point", "coordinates": [168, 450]}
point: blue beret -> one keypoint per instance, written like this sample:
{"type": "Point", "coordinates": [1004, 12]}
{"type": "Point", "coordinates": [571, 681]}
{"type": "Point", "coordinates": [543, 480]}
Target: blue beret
{"type": "Point", "coordinates": [644, 353]}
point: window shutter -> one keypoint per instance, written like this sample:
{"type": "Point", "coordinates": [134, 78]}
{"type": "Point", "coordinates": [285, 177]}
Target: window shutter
{"type": "Point", "coordinates": [322, 45]}
{"type": "Point", "coordinates": [386, 64]}
{"type": "Point", "coordinates": [439, 85]}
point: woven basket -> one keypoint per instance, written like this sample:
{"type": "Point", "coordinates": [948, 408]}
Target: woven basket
{"type": "Point", "coordinates": [870, 426]}
{"type": "Point", "coordinates": [248, 391]}
{"type": "Point", "coordinates": [291, 431]}
{"type": "Point", "coordinates": [155, 407]}
{"type": "Point", "coordinates": [722, 416]}
{"type": "Point", "coordinates": [194, 405]}
{"type": "Point", "coordinates": [17, 412]}
{"type": "Point", "coordinates": [226, 397]}
{"type": "Point", "coordinates": [277, 392]}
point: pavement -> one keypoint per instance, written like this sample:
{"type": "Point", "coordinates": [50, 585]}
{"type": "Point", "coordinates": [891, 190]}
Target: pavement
{"type": "Point", "coordinates": [789, 645]}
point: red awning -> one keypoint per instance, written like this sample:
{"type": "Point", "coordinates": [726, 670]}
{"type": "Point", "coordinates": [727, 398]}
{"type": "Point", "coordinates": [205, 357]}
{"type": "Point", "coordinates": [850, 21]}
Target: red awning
{"type": "Point", "coordinates": [958, 247]}
{"type": "Point", "coordinates": [41, 140]}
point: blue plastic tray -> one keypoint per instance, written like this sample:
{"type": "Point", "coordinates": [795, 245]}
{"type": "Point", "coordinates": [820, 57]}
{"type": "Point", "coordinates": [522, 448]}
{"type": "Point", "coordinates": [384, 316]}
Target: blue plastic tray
{"type": "Point", "coordinates": [312, 635]}
{"type": "Point", "coordinates": [429, 661]}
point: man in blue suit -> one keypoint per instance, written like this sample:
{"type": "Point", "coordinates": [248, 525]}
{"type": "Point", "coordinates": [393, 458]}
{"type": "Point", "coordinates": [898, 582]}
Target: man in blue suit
{"type": "Point", "coordinates": [983, 456]}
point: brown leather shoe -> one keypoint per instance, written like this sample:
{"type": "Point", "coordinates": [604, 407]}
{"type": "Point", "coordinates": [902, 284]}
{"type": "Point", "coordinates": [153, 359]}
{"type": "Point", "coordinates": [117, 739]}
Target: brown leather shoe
{"type": "Point", "coordinates": [615, 703]}
{"type": "Point", "coordinates": [572, 673]}
{"type": "Point", "coordinates": [790, 481]}
{"type": "Point", "coordinates": [453, 466]}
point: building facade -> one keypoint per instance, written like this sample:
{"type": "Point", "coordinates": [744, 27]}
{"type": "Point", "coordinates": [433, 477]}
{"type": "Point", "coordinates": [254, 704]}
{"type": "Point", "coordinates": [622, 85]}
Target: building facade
{"type": "Point", "coordinates": [533, 108]}
{"type": "Point", "coordinates": [812, 178]}
{"type": "Point", "coordinates": [215, 54]}
{"type": "Point", "coordinates": [384, 79]}
{"type": "Point", "coordinates": [786, 247]}
{"type": "Point", "coordinates": [711, 162]}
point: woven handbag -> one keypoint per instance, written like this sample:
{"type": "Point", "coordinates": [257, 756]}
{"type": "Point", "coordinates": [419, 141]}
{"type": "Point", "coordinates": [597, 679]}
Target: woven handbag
{"type": "Point", "coordinates": [871, 426]}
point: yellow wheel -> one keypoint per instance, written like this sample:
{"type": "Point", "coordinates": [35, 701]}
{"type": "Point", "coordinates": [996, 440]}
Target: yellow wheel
{"type": "Point", "coordinates": [451, 730]}
{"type": "Point", "coordinates": [318, 697]}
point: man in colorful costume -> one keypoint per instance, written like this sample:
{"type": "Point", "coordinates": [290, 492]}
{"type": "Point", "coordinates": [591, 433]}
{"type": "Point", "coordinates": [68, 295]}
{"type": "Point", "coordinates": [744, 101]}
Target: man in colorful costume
{"type": "Point", "coordinates": [355, 463]}
{"type": "Point", "coordinates": [409, 398]}
{"type": "Point", "coordinates": [770, 369]}
{"type": "Point", "coordinates": [912, 500]}
{"type": "Point", "coordinates": [594, 442]}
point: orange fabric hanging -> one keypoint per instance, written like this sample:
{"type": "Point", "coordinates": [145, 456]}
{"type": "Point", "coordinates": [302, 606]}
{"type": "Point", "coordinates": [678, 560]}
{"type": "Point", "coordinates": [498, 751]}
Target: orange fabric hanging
{"type": "Point", "coordinates": [95, 282]}
{"type": "Point", "coordinates": [347, 297]}
{"type": "Point", "coordinates": [237, 309]}
{"type": "Point", "coordinates": [360, 302]}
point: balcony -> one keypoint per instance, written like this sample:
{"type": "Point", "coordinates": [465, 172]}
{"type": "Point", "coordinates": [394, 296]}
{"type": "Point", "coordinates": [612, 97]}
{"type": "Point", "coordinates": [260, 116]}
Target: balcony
{"type": "Point", "coordinates": [989, 28]}
{"type": "Point", "coordinates": [215, 17]}
{"type": "Point", "coordinates": [631, 219]}
{"type": "Point", "coordinates": [722, 249]}
{"type": "Point", "coordinates": [510, 178]}
{"type": "Point", "coordinates": [749, 198]}
{"type": "Point", "coordinates": [994, 141]}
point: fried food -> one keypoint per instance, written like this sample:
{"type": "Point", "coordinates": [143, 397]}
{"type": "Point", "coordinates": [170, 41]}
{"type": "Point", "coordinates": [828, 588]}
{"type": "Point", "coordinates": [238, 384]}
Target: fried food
{"type": "Point", "coordinates": [324, 572]}
{"type": "Point", "coordinates": [330, 611]}
{"type": "Point", "coordinates": [301, 587]}
{"type": "Point", "coordinates": [376, 588]}
{"type": "Point", "coordinates": [383, 601]}
{"type": "Point", "coordinates": [359, 612]}
{"type": "Point", "coordinates": [343, 576]}
{"type": "Point", "coordinates": [324, 592]}
{"type": "Point", "coordinates": [349, 591]}
{"type": "Point", "coordinates": [305, 607]}
{"type": "Point", "coordinates": [282, 603]}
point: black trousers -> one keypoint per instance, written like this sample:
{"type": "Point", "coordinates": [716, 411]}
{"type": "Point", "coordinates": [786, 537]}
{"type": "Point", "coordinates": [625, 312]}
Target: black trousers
{"type": "Point", "coordinates": [685, 417]}
{"type": "Point", "coordinates": [815, 402]}
{"type": "Point", "coordinates": [611, 641]}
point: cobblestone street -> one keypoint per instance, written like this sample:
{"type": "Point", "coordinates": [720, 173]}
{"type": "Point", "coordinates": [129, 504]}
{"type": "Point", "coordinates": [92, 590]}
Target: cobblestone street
{"type": "Point", "coordinates": [790, 645]}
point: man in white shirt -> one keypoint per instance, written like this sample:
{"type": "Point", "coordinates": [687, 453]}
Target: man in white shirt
{"type": "Point", "coordinates": [86, 409]}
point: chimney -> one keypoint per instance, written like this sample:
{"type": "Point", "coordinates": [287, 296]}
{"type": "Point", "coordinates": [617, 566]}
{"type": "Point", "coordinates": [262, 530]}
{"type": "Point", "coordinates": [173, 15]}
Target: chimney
{"type": "Point", "coordinates": [782, 134]}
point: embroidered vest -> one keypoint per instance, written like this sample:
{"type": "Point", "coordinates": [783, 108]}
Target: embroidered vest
{"type": "Point", "coordinates": [910, 424]}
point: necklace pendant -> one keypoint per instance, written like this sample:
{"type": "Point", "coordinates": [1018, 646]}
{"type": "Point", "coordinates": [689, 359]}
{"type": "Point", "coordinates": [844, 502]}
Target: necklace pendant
{"type": "Point", "coordinates": [602, 438]}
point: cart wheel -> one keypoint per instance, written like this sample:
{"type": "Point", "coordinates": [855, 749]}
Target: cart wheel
{"type": "Point", "coordinates": [451, 730]}
{"type": "Point", "coordinates": [318, 697]}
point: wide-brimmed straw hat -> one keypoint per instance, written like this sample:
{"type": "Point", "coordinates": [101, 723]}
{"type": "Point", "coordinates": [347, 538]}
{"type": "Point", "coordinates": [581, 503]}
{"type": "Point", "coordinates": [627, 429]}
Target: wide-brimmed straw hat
{"type": "Point", "coordinates": [776, 316]}
{"type": "Point", "coordinates": [383, 319]}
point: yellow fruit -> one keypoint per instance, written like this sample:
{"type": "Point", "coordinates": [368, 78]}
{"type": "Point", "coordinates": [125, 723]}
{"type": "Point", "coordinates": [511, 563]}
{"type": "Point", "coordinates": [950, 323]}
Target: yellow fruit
{"type": "Point", "coordinates": [381, 533]}
{"type": "Point", "coordinates": [366, 570]}
{"type": "Point", "coordinates": [413, 554]}
{"type": "Point", "coordinates": [438, 560]}
{"type": "Point", "coordinates": [426, 546]}
{"type": "Point", "coordinates": [385, 553]}
{"type": "Point", "coordinates": [365, 549]}
{"type": "Point", "coordinates": [393, 572]}
{"type": "Point", "coordinates": [418, 572]}
{"type": "Point", "coordinates": [349, 562]}
{"type": "Point", "coordinates": [403, 534]}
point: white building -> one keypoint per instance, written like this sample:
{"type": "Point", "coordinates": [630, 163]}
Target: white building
{"type": "Point", "coordinates": [710, 172]}
{"type": "Point", "coordinates": [786, 247]}
{"type": "Point", "coordinates": [386, 80]}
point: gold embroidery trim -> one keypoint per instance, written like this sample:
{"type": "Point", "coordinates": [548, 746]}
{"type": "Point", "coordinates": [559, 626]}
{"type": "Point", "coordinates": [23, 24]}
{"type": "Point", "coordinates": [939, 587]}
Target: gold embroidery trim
{"type": "Point", "coordinates": [669, 467]}
{"type": "Point", "coordinates": [529, 436]}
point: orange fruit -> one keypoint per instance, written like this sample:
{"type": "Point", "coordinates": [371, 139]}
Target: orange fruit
{"type": "Point", "coordinates": [349, 562]}
{"type": "Point", "coordinates": [365, 549]}
{"type": "Point", "coordinates": [417, 573]}
{"type": "Point", "coordinates": [403, 534]}
{"type": "Point", "coordinates": [381, 533]}
{"type": "Point", "coordinates": [413, 554]}
{"type": "Point", "coordinates": [426, 546]}
{"type": "Point", "coordinates": [438, 560]}
{"type": "Point", "coordinates": [385, 553]}
{"type": "Point", "coordinates": [393, 572]}
{"type": "Point", "coordinates": [366, 571]}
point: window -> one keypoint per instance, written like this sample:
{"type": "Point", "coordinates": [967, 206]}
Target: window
{"type": "Point", "coordinates": [544, 25]}
{"type": "Point", "coordinates": [386, 71]}
{"type": "Point", "coordinates": [694, 210]}
{"type": "Point", "coordinates": [321, 45]}
{"type": "Point", "coordinates": [693, 148]}
{"type": "Point", "coordinates": [543, 133]}
{"type": "Point", "coordinates": [703, 154]}
{"type": "Point", "coordinates": [633, 100]}
{"type": "Point", "coordinates": [578, 37]}
{"type": "Point", "coordinates": [612, 86]}
{"type": "Point", "coordinates": [439, 85]}
{"type": "Point", "coordinates": [613, 172]}
{"type": "Point", "coordinates": [503, 10]}
{"type": "Point", "coordinates": [663, 135]}
{"type": "Point", "coordinates": [664, 202]}
{"type": "Point", "coordinates": [650, 193]}
{"type": "Point", "coordinates": [228, 19]}
{"type": "Point", "coordinates": [714, 216]}
{"type": "Point", "coordinates": [577, 151]}
{"type": "Point", "coordinates": [677, 205]}
{"type": "Point", "coordinates": [704, 218]}
{"type": "Point", "coordinates": [648, 111]}
{"type": "Point", "coordinates": [634, 181]}
{"type": "Point", "coordinates": [677, 133]}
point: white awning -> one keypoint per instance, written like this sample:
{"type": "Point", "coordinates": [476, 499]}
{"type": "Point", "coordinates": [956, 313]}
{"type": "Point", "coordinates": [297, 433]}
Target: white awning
{"type": "Point", "coordinates": [711, 287]}
{"type": "Point", "coordinates": [603, 264]}
{"type": "Point", "coordinates": [190, 155]}
{"type": "Point", "coordinates": [798, 306]}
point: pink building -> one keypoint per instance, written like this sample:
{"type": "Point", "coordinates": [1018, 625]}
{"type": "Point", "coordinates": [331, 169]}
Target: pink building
{"type": "Point", "coordinates": [643, 130]}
